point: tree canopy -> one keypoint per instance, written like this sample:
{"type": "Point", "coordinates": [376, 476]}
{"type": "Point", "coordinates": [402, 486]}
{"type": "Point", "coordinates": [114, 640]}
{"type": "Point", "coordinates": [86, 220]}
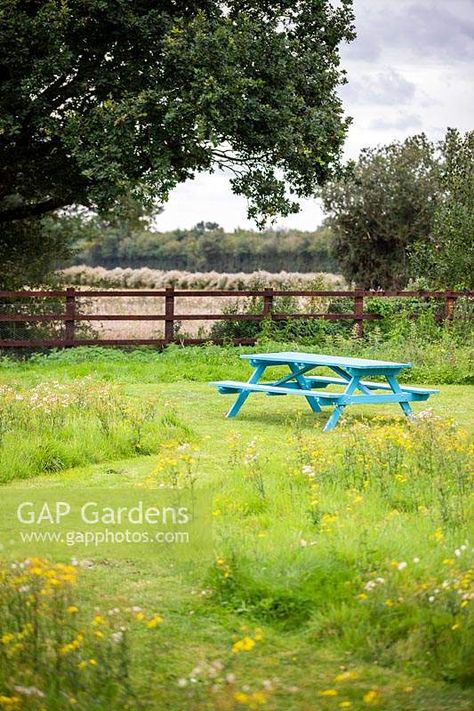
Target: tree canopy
{"type": "Point", "coordinates": [205, 247]}
{"type": "Point", "coordinates": [105, 98]}
{"type": "Point", "coordinates": [381, 207]}
{"type": "Point", "coordinates": [447, 259]}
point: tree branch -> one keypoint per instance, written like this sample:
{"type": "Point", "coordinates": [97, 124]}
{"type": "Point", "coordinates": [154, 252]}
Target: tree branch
{"type": "Point", "coordinates": [23, 211]}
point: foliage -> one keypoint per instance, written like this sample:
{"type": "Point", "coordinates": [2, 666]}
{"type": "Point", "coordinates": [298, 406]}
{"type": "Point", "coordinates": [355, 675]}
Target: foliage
{"type": "Point", "coordinates": [400, 320]}
{"type": "Point", "coordinates": [444, 355]}
{"type": "Point", "coordinates": [157, 279]}
{"type": "Point", "coordinates": [206, 247]}
{"type": "Point", "coordinates": [384, 203]}
{"type": "Point", "coordinates": [29, 249]}
{"type": "Point", "coordinates": [447, 258]}
{"type": "Point", "coordinates": [104, 99]}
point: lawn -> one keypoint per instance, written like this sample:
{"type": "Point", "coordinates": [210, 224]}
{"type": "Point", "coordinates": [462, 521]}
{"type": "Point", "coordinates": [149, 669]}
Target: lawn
{"type": "Point", "coordinates": [340, 569]}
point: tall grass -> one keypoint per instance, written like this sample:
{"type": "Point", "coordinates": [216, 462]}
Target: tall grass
{"type": "Point", "coordinates": [352, 554]}
{"type": "Point", "coordinates": [158, 279]}
{"type": "Point", "coordinates": [53, 426]}
{"type": "Point", "coordinates": [363, 539]}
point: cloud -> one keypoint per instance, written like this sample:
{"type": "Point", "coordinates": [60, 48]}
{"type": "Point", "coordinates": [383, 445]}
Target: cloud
{"type": "Point", "coordinates": [428, 29]}
{"type": "Point", "coordinates": [408, 72]}
{"type": "Point", "coordinates": [387, 87]}
{"type": "Point", "coordinates": [400, 122]}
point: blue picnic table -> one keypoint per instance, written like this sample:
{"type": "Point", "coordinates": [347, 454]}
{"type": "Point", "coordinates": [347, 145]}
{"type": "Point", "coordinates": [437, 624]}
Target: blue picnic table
{"type": "Point", "coordinates": [350, 372]}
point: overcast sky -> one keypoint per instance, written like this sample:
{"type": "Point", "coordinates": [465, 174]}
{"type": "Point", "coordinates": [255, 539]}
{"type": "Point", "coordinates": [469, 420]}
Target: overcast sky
{"type": "Point", "coordinates": [409, 70]}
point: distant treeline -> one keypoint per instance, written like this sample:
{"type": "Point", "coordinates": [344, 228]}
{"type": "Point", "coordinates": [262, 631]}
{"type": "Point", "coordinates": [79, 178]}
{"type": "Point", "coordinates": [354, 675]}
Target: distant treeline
{"type": "Point", "coordinates": [207, 247]}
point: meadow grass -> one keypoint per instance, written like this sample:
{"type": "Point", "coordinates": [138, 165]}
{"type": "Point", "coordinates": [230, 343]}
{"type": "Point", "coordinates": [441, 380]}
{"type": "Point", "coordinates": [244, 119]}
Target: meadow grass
{"type": "Point", "coordinates": [442, 360]}
{"type": "Point", "coordinates": [341, 573]}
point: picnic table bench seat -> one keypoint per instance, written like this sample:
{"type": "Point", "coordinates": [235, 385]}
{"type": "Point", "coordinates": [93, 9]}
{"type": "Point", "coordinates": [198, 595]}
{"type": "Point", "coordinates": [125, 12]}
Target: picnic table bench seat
{"type": "Point", "coordinates": [228, 387]}
{"type": "Point", "coordinates": [297, 382]}
{"type": "Point", "coordinates": [323, 382]}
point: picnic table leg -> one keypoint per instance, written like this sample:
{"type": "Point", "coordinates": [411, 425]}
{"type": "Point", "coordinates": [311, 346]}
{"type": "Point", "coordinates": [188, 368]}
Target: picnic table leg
{"type": "Point", "coordinates": [304, 385]}
{"type": "Point", "coordinates": [393, 382]}
{"type": "Point", "coordinates": [241, 398]}
{"type": "Point", "coordinates": [339, 409]}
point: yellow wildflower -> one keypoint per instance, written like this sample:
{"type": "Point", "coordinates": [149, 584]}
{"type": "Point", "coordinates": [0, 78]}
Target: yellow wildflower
{"type": "Point", "coordinates": [154, 622]}
{"type": "Point", "coordinates": [329, 692]}
{"type": "Point", "coordinates": [243, 645]}
{"type": "Point", "coordinates": [372, 697]}
{"type": "Point", "coordinates": [252, 700]}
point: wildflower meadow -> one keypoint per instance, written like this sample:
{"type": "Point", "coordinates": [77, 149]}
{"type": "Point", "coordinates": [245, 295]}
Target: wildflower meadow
{"type": "Point", "coordinates": [340, 573]}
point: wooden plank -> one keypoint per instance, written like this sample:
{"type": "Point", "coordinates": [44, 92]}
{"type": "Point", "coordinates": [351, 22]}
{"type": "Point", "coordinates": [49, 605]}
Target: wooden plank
{"type": "Point", "coordinates": [169, 314]}
{"type": "Point", "coordinates": [322, 381]}
{"type": "Point", "coordinates": [320, 359]}
{"type": "Point", "coordinates": [359, 315]}
{"type": "Point", "coordinates": [231, 293]}
{"type": "Point", "coordinates": [32, 294]}
{"type": "Point", "coordinates": [20, 318]}
{"type": "Point", "coordinates": [69, 323]}
{"type": "Point", "coordinates": [228, 385]}
{"type": "Point", "coordinates": [56, 343]}
{"type": "Point", "coordinates": [82, 317]}
{"type": "Point", "coordinates": [381, 399]}
{"type": "Point", "coordinates": [275, 317]}
{"type": "Point", "coordinates": [12, 318]}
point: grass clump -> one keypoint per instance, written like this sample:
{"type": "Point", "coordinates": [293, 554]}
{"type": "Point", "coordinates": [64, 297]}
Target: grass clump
{"type": "Point", "coordinates": [364, 542]}
{"type": "Point", "coordinates": [53, 426]}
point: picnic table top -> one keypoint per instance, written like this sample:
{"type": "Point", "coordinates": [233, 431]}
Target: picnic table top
{"type": "Point", "coordinates": [320, 359]}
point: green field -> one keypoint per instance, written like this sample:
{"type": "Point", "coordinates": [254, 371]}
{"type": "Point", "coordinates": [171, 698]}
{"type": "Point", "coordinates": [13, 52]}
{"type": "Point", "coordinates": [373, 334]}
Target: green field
{"type": "Point", "coordinates": [340, 573]}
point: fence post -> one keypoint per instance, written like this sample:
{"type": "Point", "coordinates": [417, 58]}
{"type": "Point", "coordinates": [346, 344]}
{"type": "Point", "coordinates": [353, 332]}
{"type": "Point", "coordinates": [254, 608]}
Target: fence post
{"type": "Point", "coordinates": [70, 323]}
{"type": "Point", "coordinates": [267, 303]}
{"type": "Point", "coordinates": [169, 314]}
{"type": "Point", "coordinates": [449, 301]}
{"type": "Point", "coordinates": [359, 312]}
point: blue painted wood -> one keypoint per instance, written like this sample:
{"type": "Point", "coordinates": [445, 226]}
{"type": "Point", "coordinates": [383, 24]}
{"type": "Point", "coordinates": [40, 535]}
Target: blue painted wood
{"type": "Point", "coordinates": [248, 387]}
{"type": "Point", "coordinates": [296, 369]}
{"type": "Point", "coordinates": [350, 371]}
{"type": "Point", "coordinates": [382, 399]}
{"type": "Point", "coordinates": [320, 359]}
{"type": "Point", "coordinates": [243, 395]}
{"type": "Point", "coordinates": [339, 409]}
{"type": "Point", "coordinates": [304, 385]}
{"type": "Point", "coordinates": [322, 381]}
{"type": "Point", "coordinates": [392, 381]}
{"type": "Point", "coordinates": [346, 378]}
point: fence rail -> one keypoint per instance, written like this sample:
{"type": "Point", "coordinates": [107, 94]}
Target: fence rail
{"type": "Point", "coordinates": [71, 316]}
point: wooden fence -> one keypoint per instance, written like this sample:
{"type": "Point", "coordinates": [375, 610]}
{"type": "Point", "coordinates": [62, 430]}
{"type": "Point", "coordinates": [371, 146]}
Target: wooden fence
{"type": "Point", "coordinates": [71, 316]}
